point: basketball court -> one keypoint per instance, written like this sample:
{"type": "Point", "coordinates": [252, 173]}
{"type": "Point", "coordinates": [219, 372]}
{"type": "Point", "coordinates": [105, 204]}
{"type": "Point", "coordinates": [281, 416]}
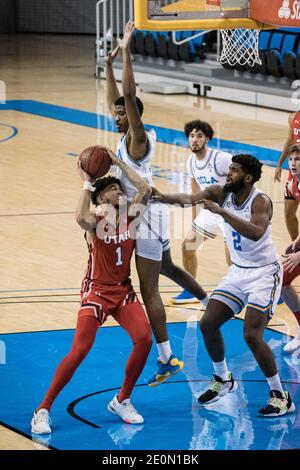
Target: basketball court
{"type": "Point", "coordinates": [54, 107]}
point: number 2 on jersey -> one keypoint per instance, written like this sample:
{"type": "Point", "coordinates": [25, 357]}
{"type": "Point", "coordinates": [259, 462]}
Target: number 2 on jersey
{"type": "Point", "coordinates": [236, 241]}
{"type": "Point", "coordinates": [119, 256]}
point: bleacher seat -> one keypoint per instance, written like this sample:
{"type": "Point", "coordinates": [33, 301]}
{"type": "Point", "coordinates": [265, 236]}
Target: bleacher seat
{"type": "Point", "coordinates": [199, 44]}
{"type": "Point", "coordinates": [162, 44]}
{"type": "Point", "coordinates": [275, 57]}
{"type": "Point", "coordinates": [192, 49]}
{"type": "Point", "coordinates": [289, 63]}
{"type": "Point", "coordinates": [186, 51]}
{"type": "Point", "coordinates": [151, 44]}
{"type": "Point", "coordinates": [275, 44]}
{"type": "Point", "coordinates": [139, 42]}
{"type": "Point", "coordinates": [173, 49]}
{"type": "Point", "coordinates": [297, 66]}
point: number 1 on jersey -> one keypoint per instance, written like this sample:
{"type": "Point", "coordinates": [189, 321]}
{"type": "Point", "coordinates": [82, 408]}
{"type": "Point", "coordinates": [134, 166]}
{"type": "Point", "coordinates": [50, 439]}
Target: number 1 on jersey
{"type": "Point", "coordinates": [119, 256]}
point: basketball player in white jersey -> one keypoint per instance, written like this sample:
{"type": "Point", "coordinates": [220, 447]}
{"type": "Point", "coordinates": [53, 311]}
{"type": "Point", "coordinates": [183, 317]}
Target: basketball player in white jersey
{"type": "Point", "coordinates": [136, 148]}
{"type": "Point", "coordinates": [206, 166]}
{"type": "Point", "coordinates": [253, 281]}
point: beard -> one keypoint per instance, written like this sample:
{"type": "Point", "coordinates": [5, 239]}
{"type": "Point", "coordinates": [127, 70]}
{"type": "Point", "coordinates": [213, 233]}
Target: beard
{"type": "Point", "coordinates": [199, 149]}
{"type": "Point", "coordinates": [233, 187]}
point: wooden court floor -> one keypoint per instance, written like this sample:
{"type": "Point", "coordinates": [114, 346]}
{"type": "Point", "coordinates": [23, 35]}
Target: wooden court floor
{"type": "Point", "coordinates": [43, 253]}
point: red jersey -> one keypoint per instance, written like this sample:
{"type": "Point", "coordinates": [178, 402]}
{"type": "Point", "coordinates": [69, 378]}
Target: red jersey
{"type": "Point", "coordinates": [296, 140]}
{"type": "Point", "coordinates": [296, 128]}
{"type": "Point", "coordinates": [292, 190]}
{"type": "Point", "coordinates": [109, 256]}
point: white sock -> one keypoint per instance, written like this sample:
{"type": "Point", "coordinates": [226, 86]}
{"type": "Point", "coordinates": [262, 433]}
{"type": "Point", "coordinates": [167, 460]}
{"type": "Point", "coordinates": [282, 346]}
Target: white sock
{"type": "Point", "coordinates": [165, 351]}
{"type": "Point", "coordinates": [205, 301]}
{"type": "Point", "coordinates": [275, 383]}
{"type": "Point", "coordinates": [44, 410]}
{"type": "Point", "coordinates": [221, 369]}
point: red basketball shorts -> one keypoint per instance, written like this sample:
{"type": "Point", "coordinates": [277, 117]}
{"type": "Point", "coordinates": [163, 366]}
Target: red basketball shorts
{"type": "Point", "coordinates": [105, 300]}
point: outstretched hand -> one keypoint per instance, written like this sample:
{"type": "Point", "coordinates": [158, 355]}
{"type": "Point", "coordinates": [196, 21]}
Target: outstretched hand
{"type": "Point", "coordinates": [210, 206]}
{"type": "Point", "coordinates": [124, 43]}
{"type": "Point", "coordinates": [112, 55]}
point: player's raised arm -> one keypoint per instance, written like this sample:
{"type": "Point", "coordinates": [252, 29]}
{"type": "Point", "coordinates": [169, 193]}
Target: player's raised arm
{"type": "Point", "coordinates": [213, 193]}
{"type": "Point", "coordinates": [85, 219]}
{"type": "Point", "coordinates": [138, 141]}
{"type": "Point", "coordinates": [258, 224]}
{"type": "Point", "coordinates": [112, 92]}
{"type": "Point", "coordinates": [288, 143]}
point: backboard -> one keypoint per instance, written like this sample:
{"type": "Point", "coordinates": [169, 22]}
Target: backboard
{"type": "Point", "coordinates": [172, 15]}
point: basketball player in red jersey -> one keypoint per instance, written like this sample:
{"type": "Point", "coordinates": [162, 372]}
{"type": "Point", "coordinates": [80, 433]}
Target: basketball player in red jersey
{"type": "Point", "coordinates": [290, 204]}
{"type": "Point", "coordinates": [291, 263]}
{"type": "Point", "coordinates": [106, 289]}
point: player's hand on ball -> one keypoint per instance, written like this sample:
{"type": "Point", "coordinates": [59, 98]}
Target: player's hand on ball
{"type": "Point", "coordinates": [83, 175]}
{"type": "Point", "coordinates": [112, 55]}
{"type": "Point", "coordinates": [291, 261]}
{"type": "Point", "coordinates": [112, 155]}
{"type": "Point", "coordinates": [211, 206]}
{"type": "Point", "coordinates": [124, 43]}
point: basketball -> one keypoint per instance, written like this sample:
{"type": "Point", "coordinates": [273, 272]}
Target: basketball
{"type": "Point", "coordinates": [95, 161]}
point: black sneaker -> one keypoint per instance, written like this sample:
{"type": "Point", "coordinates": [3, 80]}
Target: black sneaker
{"type": "Point", "coordinates": [218, 388]}
{"type": "Point", "coordinates": [278, 405]}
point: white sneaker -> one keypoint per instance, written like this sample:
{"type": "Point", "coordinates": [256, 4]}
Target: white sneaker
{"type": "Point", "coordinates": [40, 423]}
{"type": "Point", "coordinates": [125, 410]}
{"type": "Point", "coordinates": [292, 345]}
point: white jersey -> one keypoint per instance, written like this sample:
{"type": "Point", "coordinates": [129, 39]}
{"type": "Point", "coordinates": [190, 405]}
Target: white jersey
{"type": "Point", "coordinates": [247, 253]}
{"type": "Point", "coordinates": [142, 166]}
{"type": "Point", "coordinates": [153, 230]}
{"type": "Point", "coordinates": [212, 169]}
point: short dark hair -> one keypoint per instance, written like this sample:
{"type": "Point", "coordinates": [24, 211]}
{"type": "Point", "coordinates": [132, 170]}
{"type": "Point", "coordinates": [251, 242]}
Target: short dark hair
{"type": "Point", "coordinates": [121, 102]}
{"type": "Point", "coordinates": [293, 149]}
{"type": "Point", "coordinates": [199, 126]}
{"type": "Point", "coordinates": [100, 184]}
{"type": "Point", "coordinates": [251, 165]}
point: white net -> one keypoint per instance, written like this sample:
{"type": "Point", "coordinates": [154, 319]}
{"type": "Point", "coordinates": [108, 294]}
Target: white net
{"type": "Point", "coordinates": [240, 46]}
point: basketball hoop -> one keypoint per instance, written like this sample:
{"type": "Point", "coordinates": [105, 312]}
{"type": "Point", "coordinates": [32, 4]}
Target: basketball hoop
{"type": "Point", "coordinates": [240, 46]}
{"type": "Point", "coordinates": [240, 22]}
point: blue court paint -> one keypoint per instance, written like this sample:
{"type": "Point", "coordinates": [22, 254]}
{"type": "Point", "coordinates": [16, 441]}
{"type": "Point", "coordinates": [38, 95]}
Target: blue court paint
{"type": "Point", "coordinates": [165, 135]}
{"type": "Point", "coordinates": [12, 132]}
{"type": "Point", "coordinates": [173, 418]}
